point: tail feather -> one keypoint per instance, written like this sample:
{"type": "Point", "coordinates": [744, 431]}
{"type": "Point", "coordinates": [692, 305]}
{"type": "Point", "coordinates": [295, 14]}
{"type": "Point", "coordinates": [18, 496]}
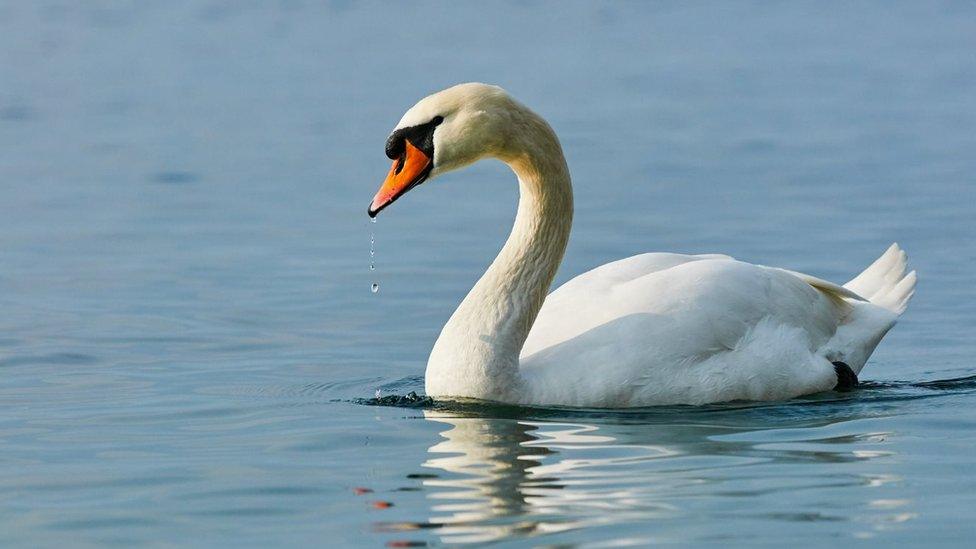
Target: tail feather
{"type": "Point", "coordinates": [885, 283]}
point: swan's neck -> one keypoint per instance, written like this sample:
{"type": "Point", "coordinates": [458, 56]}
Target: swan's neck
{"type": "Point", "coordinates": [477, 353]}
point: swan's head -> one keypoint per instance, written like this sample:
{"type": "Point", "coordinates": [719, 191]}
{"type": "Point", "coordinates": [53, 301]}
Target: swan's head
{"type": "Point", "coordinates": [445, 131]}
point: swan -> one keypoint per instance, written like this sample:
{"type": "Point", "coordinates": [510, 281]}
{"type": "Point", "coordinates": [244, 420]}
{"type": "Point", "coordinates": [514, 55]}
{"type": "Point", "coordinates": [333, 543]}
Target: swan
{"type": "Point", "coordinates": [652, 329]}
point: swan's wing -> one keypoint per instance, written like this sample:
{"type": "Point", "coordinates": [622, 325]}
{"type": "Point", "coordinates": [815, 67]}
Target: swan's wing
{"type": "Point", "coordinates": [697, 330]}
{"type": "Point", "coordinates": [581, 303]}
{"type": "Point", "coordinates": [634, 285]}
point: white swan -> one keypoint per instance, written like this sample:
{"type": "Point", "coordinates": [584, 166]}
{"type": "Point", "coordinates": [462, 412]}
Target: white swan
{"type": "Point", "coordinates": [652, 329]}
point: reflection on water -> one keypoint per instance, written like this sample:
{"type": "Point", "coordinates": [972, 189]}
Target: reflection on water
{"type": "Point", "coordinates": [670, 470]}
{"type": "Point", "coordinates": [547, 476]}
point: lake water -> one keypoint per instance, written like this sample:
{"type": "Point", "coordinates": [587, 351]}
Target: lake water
{"type": "Point", "coordinates": [186, 321]}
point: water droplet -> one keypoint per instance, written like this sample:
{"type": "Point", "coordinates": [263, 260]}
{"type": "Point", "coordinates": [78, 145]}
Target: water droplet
{"type": "Point", "coordinates": [372, 251]}
{"type": "Point", "coordinates": [372, 220]}
{"type": "Point", "coordinates": [372, 256]}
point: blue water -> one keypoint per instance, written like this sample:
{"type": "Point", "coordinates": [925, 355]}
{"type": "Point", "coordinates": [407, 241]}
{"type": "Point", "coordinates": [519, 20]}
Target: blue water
{"type": "Point", "coordinates": [187, 326]}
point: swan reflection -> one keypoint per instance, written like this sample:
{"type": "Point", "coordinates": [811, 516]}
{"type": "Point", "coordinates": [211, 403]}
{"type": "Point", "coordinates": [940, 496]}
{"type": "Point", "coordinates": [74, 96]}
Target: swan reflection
{"type": "Point", "coordinates": [499, 479]}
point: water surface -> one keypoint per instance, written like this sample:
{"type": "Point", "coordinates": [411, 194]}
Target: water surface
{"type": "Point", "coordinates": [187, 326]}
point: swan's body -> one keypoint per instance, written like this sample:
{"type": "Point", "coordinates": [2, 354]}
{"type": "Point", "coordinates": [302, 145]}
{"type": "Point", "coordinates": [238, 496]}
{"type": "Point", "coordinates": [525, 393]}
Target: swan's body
{"type": "Point", "coordinates": [650, 329]}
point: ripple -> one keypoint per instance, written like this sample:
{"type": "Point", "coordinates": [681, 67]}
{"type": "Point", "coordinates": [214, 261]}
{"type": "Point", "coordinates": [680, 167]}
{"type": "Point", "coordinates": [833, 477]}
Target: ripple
{"type": "Point", "coordinates": [103, 523]}
{"type": "Point", "coordinates": [52, 358]}
{"type": "Point", "coordinates": [174, 177]}
{"type": "Point", "coordinates": [409, 400]}
{"type": "Point", "coordinates": [17, 113]}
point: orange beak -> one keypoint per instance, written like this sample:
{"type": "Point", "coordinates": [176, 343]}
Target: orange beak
{"type": "Point", "coordinates": [408, 171]}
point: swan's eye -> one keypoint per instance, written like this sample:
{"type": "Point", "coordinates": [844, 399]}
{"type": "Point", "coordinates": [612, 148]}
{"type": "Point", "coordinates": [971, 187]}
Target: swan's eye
{"type": "Point", "coordinates": [421, 136]}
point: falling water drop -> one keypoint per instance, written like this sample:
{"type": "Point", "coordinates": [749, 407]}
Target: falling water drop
{"type": "Point", "coordinates": [372, 255]}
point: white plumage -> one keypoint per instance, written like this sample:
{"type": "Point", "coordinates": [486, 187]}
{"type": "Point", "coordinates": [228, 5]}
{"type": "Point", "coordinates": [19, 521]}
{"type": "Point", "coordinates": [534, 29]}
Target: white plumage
{"type": "Point", "coordinates": [656, 328]}
{"type": "Point", "coordinates": [700, 329]}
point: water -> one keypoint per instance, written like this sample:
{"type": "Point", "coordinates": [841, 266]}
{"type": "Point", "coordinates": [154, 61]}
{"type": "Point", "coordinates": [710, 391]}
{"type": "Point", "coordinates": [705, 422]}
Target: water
{"type": "Point", "coordinates": [185, 334]}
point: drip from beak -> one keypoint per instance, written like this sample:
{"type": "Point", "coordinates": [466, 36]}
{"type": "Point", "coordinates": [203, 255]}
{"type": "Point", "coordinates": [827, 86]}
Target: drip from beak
{"type": "Point", "coordinates": [408, 171]}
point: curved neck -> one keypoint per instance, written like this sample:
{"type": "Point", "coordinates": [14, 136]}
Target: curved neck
{"type": "Point", "coordinates": [477, 353]}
